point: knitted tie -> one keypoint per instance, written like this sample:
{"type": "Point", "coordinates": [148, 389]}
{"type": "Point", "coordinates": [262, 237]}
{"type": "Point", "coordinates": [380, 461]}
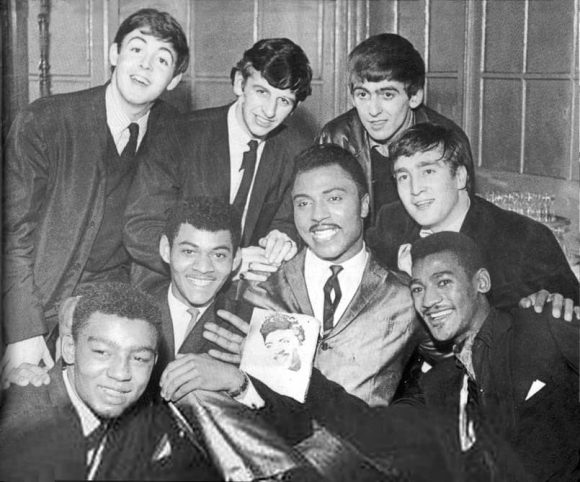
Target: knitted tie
{"type": "Point", "coordinates": [249, 166]}
{"type": "Point", "coordinates": [131, 147]}
{"type": "Point", "coordinates": [331, 286]}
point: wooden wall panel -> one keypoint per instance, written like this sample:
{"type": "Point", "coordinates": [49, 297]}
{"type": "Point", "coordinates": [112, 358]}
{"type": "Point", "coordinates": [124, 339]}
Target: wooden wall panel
{"type": "Point", "coordinates": [501, 117]}
{"type": "Point", "coordinates": [76, 45]}
{"type": "Point", "coordinates": [548, 118]}
{"type": "Point", "coordinates": [505, 37]}
{"type": "Point", "coordinates": [550, 36]}
{"type": "Point", "coordinates": [444, 94]}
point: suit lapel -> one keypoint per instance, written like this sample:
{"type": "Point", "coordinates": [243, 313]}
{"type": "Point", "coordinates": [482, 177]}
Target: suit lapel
{"type": "Point", "coordinates": [372, 277]}
{"type": "Point", "coordinates": [195, 342]}
{"type": "Point", "coordinates": [294, 277]}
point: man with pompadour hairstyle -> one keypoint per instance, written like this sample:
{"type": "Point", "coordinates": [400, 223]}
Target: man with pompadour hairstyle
{"type": "Point", "coordinates": [242, 153]}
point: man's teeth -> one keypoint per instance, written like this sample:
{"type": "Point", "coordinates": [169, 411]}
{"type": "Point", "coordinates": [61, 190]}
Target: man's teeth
{"type": "Point", "coordinates": [324, 234]}
{"type": "Point", "coordinates": [199, 282]}
{"type": "Point", "coordinates": [439, 314]}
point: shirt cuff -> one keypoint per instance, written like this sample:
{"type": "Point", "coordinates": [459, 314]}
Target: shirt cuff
{"type": "Point", "coordinates": [250, 397]}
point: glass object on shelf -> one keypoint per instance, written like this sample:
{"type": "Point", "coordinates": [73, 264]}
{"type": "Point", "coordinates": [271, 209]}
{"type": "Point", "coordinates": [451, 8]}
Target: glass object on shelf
{"type": "Point", "coordinates": [538, 206]}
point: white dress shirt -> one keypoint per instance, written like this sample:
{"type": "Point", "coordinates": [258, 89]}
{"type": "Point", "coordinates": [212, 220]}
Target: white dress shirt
{"type": "Point", "coordinates": [118, 121]}
{"type": "Point", "coordinates": [89, 421]}
{"type": "Point", "coordinates": [180, 317]}
{"type": "Point", "coordinates": [316, 273]}
{"type": "Point", "coordinates": [238, 138]}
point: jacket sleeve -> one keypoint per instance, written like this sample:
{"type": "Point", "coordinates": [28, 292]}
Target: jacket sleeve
{"type": "Point", "coordinates": [153, 193]}
{"type": "Point", "coordinates": [27, 177]}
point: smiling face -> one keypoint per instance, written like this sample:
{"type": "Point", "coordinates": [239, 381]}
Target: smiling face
{"type": "Point", "coordinates": [328, 212]}
{"type": "Point", "coordinates": [430, 192]}
{"type": "Point", "coordinates": [449, 300]}
{"type": "Point", "coordinates": [144, 68]}
{"type": "Point", "coordinates": [262, 107]}
{"type": "Point", "coordinates": [384, 107]}
{"type": "Point", "coordinates": [112, 361]}
{"type": "Point", "coordinates": [283, 346]}
{"type": "Point", "coordinates": [200, 263]}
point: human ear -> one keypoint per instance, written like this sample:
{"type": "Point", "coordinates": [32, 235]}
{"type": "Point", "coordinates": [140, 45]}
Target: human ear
{"type": "Point", "coordinates": [68, 349]}
{"type": "Point", "coordinates": [416, 99]}
{"type": "Point", "coordinates": [483, 280]}
{"type": "Point", "coordinates": [174, 82]}
{"type": "Point", "coordinates": [114, 54]}
{"type": "Point", "coordinates": [461, 177]}
{"type": "Point", "coordinates": [365, 206]}
{"type": "Point", "coordinates": [239, 83]}
{"type": "Point", "coordinates": [165, 249]}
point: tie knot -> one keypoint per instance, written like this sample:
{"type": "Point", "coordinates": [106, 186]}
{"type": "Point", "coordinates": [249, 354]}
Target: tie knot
{"type": "Point", "coordinates": [133, 129]}
{"type": "Point", "coordinates": [253, 145]}
{"type": "Point", "coordinates": [336, 268]}
{"type": "Point", "coordinates": [194, 312]}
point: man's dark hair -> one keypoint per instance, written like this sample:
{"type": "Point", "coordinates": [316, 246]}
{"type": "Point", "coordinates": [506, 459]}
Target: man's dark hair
{"type": "Point", "coordinates": [119, 299]}
{"type": "Point", "coordinates": [281, 62]}
{"type": "Point", "coordinates": [425, 137]}
{"type": "Point", "coordinates": [387, 56]}
{"type": "Point", "coordinates": [281, 321]}
{"type": "Point", "coordinates": [204, 213]}
{"type": "Point", "coordinates": [462, 247]}
{"type": "Point", "coordinates": [163, 27]}
{"type": "Point", "coordinates": [323, 155]}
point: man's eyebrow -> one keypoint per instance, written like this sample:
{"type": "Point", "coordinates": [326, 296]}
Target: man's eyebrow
{"type": "Point", "coordinates": [187, 243]}
{"type": "Point", "coordinates": [328, 191]}
{"type": "Point", "coordinates": [112, 343]}
{"type": "Point", "coordinates": [144, 40]}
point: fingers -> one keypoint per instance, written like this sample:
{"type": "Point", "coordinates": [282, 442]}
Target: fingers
{"type": "Point", "coordinates": [26, 374]}
{"type": "Point", "coordinates": [254, 266]}
{"type": "Point", "coordinates": [179, 378]}
{"type": "Point", "coordinates": [542, 297]}
{"type": "Point", "coordinates": [558, 303]}
{"type": "Point", "coordinates": [255, 276]}
{"type": "Point", "coordinates": [577, 312]}
{"type": "Point", "coordinates": [234, 320]}
{"type": "Point", "coordinates": [568, 309]}
{"type": "Point", "coordinates": [225, 357]}
{"type": "Point", "coordinates": [226, 342]}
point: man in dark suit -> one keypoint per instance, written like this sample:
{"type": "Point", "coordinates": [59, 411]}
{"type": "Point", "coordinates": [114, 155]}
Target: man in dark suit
{"type": "Point", "coordinates": [88, 422]}
{"type": "Point", "coordinates": [431, 172]}
{"type": "Point", "coordinates": [242, 153]}
{"type": "Point", "coordinates": [369, 325]}
{"type": "Point", "coordinates": [386, 83]}
{"type": "Point", "coordinates": [70, 160]}
{"type": "Point", "coordinates": [515, 374]}
{"type": "Point", "coordinates": [200, 243]}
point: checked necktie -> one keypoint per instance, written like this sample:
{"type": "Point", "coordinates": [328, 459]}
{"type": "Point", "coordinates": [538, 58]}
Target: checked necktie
{"type": "Point", "coordinates": [131, 147]}
{"type": "Point", "coordinates": [332, 296]}
{"type": "Point", "coordinates": [249, 166]}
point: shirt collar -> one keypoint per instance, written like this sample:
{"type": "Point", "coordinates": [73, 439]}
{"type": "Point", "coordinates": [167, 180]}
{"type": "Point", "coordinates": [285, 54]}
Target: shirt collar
{"type": "Point", "coordinates": [89, 421]}
{"type": "Point", "coordinates": [464, 351]}
{"type": "Point", "coordinates": [178, 306]}
{"type": "Point", "coordinates": [238, 135]}
{"type": "Point", "coordinates": [117, 120]}
{"type": "Point", "coordinates": [319, 265]}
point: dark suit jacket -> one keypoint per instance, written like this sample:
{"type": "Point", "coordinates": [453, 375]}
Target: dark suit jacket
{"type": "Point", "coordinates": [194, 342]}
{"type": "Point", "coordinates": [509, 354]}
{"type": "Point", "coordinates": [370, 344]}
{"type": "Point", "coordinates": [197, 163]}
{"type": "Point", "coordinates": [55, 177]}
{"type": "Point", "coordinates": [522, 255]}
{"type": "Point", "coordinates": [41, 439]}
{"type": "Point", "coordinates": [40, 434]}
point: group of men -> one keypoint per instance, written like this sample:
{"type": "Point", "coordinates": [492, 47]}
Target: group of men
{"type": "Point", "coordinates": [112, 186]}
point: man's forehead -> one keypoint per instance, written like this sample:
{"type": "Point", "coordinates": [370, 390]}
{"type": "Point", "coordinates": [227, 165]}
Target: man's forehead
{"type": "Point", "coordinates": [258, 78]}
{"type": "Point", "coordinates": [323, 178]}
{"type": "Point", "coordinates": [189, 233]}
{"type": "Point", "coordinates": [146, 34]}
{"type": "Point", "coordinates": [380, 85]}
{"type": "Point", "coordinates": [431, 156]}
{"type": "Point", "coordinates": [432, 264]}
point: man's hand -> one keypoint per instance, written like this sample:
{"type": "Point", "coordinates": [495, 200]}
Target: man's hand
{"type": "Point", "coordinates": [255, 266]}
{"type": "Point", "coordinates": [192, 372]}
{"type": "Point", "coordinates": [32, 351]}
{"type": "Point", "coordinates": [27, 374]}
{"type": "Point", "coordinates": [226, 339]}
{"type": "Point", "coordinates": [559, 304]}
{"type": "Point", "coordinates": [279, 247]}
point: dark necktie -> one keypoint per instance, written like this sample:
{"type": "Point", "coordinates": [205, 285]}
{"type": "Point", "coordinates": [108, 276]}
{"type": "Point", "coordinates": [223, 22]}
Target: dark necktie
{"type": "Point", "coordinates": [131, 147]}
{"type": "Point", "coordinates": [249, 166]}
{"type": "Point", "coordinates": [331, 287]}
